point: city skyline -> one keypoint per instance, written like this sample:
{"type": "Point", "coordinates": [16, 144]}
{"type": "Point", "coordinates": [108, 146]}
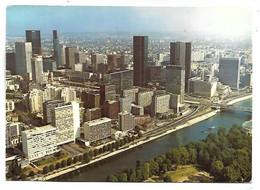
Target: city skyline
{"type": "Point", "coordinates": [236, 21]}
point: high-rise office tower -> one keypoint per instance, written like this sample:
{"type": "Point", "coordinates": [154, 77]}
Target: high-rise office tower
{"type": "Point", "coordinates": [111, 61]}
{"type": "Point", "coordinates": [56, 48]}
{"type": "Point", "coordinates": [175, 80]}
{"type": "Point", "coordinates": [180, 54]}
{"type": "Point", "coordinates": [96, 59]}
{"type": "Point", "coordinates": [34, 36]}
{"type": "Point", "coordinates": [48, 106]}
{"type": "Point", "coordinates": [140, 46]}
{"type": "Point", "coordinates": [62, 55]}
{"type": "Point", "coordinates": [37, 70]}
{"type": "Point", "coordinates": [229, 71]}
{"type": "Point", "coordinates": [10, 62]}
{"type": "Point", "coordinates": [23, 56]}
{"type": "Point", "coordinates": [70, 56]}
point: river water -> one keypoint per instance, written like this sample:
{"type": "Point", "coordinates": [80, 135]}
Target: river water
{"type": "Point", "coordinates": [99, 171]}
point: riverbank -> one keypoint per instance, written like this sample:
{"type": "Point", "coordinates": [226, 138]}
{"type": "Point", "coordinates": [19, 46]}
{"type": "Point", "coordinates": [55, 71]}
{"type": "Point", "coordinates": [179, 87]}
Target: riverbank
{"type": "Point", "coordinates": [239, 99]}
{"type": "Point", "coordinates": [143, 141]}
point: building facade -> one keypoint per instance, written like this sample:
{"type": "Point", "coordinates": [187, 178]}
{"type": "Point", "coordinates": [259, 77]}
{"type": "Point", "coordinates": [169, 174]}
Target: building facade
{"type": "Point", "coordinates": [229, 72]}
{"type": "Point", "coordinates": [70, 56]}
{"type": "Point", "coordinates": [37, 70]}
{"type": "Point", "coordinates": [39, 142]}
{"type": "Point", "coordinates": [97, 129]}
{"type": "Point", "coordinates": [140, 53]}
{"type": "Point", "coordinates": [34, 36]}
{"type": "Point", "coordinates": [48, 106]}
{"type": "Point", "coordinates": [126, 121]}
{"type": "Point", "coordinates": [175, 80]}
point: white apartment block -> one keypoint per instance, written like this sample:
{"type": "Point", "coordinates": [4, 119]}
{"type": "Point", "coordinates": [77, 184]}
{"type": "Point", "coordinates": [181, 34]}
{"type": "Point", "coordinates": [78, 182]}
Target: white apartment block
{"type": "Point", "coordinates": [97, 129]}
{"type": "Point", "coordinates": [39, 142]}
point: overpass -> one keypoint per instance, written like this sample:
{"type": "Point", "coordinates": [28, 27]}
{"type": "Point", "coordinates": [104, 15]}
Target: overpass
{"type": "Point", "coordinates": [231, 107]}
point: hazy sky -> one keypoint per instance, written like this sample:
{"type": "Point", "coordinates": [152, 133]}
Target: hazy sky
{"type": "Point", "coordinates": [231, 21]}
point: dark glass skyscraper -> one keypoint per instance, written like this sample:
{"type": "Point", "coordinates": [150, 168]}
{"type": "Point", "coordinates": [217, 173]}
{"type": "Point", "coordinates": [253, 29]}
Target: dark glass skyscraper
{"type": "Point", "coordinates": [180, 54]}
{"type": "Point", "coordinates": [56, 47]}
{"type": "Point", "coordinates": [140, 46]}
{"type": "Point", "coordinates": [34, 36]}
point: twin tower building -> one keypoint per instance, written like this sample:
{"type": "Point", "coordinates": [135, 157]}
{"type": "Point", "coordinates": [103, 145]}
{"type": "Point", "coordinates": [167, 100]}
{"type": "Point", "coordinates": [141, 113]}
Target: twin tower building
{"type": "Point", "coordinates": [177, 73]}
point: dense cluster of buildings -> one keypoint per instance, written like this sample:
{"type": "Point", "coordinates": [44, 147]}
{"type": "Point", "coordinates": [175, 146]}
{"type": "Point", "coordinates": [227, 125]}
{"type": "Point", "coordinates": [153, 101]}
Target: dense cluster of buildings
{"type": "Point", "coordinates": [80, 95]}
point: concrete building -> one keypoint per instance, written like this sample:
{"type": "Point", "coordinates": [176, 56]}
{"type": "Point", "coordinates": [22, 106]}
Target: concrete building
{"type": "Point", "coordinates": [131, 93]}
{"type": "Point", "coordinates": [175, 80]}
{"type": "Point", "coordinates": [34, 36]}
{"type": "Point", "coordinates": [97, 129]}
{"type": "Point", "coordinates": [125, 104]}
{"type": "Point", "coordinates": [126, 121]}
{"type": "Point", "coordinates": [111, 108]}
{"type": "Point", "coordinates": [246, 80]}
{"type": "Point", "coordinates": [9, 105]}
{"type": "Point", "coordinates": [137, 110]}
{"type": "Point", "coordinates": [155, 73]}
{"type": "Point", "coordinates": [229, 72]}
{"type": "Point", "coordinates": [90, 99]}
{"type": "Point", "coordinates": [70, 56]}
{"type": "Point", "coordinates": [111, 61]}
{"type": "Point", "coordinates": [121, 79]}
{"type": "Point", "coordinates": [13, 134]}
{"type": "Point", "coordinates": [66, 119]}
{"type": "Point", "coordinates": [62, 55]}
{"type": "Point", "coordinates": [48, 106]}
{"type": "Point", "coordinates": [123, 61]}
{"type": "Point", "coordinates": [23, 56]}
{"type": "Point", "coordinates": [107, 92]}
{"type": "Point", "coordinates": [68, 94]}
{"type": "Point", "coordinates": [202, 88]}
{"type": "Point", "coordinates": [49, 64]}
{"type": "Point", "coordinates": [175, 102]}
{"type": "Point", "coordinates": [37, 70]}
{"type": "Point", "coordinates": [56, 48]}
{"type": "Point", "coordinates": [80, 57]}
{"type": "Point", "coordinates": [160, 104]}
{"type": "Point", "coordinates": [36, 98]}
{"type": "Point", "coordinates": [93, 113]}
{"type": "Point", "coordinates": [144, 99]}
{"type": "Point", "coordinates": [39, 142]}
{"type": "Point", "coordinates": [10, 62]}
{"type": "Point", "coordinates": [96, 59]}
{"type": "Point", "coordinates": [77, 67]}
{"type": "Point", "coordinates": [180, 54]}
{"type": "Point", "coordinates": [140, 53]}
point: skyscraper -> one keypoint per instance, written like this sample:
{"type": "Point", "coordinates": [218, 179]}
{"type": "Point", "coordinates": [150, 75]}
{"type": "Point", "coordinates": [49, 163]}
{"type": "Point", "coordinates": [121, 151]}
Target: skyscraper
{"type": "Point", "coordinates": [229, 71]}
{"type": "Point", "coordinates": [175, 80]}
{"type": "Point", "coordinates": [37, 70]}
{"type": "Point", "coordinates": [56, 48]}
{"type": "Point", "coordinates": [140, 46]}
{"type": "Point", "coordinates": [70, 56]}
{"type": "Point", "coordinates": [180, 54]}
{"type": "Point", "coordinates": [34, 36]}
{"type": "Point", "coordinates": [23, 55]}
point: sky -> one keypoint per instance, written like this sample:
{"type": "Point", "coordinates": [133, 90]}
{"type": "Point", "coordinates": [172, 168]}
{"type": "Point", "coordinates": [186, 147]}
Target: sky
{"type": "Point", "coordinates": [233, 21]}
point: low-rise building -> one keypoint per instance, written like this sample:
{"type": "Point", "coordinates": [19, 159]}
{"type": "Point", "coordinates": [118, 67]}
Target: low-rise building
{"type": "Point", "coordinates": [202, 88]}
{"type": "Point", "coordinates": [97, 129]}
{"type": "Point", "coordinates": [39, 142]}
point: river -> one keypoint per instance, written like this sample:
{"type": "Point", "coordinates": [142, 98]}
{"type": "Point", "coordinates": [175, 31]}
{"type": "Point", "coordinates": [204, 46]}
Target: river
{"type": "Point", "coordinates": [99, 171]}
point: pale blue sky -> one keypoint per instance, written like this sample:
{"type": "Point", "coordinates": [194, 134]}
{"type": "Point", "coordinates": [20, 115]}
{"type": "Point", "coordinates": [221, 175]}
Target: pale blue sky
{"type": "Point", "coordinates": [229, 21]}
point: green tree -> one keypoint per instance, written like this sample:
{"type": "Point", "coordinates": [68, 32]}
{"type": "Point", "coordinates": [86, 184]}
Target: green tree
{"type": "Point", "coordinates": [167, 179]}
{"type": "Point", "coordinates": [31, 173]}
{"type": "Point", "coordinates": [76, 159]}
{"type": "Point", "coordinates": [140, 135]}
{"type": "Point", "coordinates": [216, 168]}
{"type": "Point", "coordinates": [105, 148]}
{"type": "Point", "coordinates": [69, 161]}
{"type": "Point", "coordinates": [164, 168]}
{"type": "Point", "coordinates": [91, 154]}
{"type": "Point", "coordinates": [63, 163]}
{"type": "Point", "coordinates": [122, 177]}
{"type": "Point", "coordinates": [51, 167]}
{"type": "Point", "coordinates": [139, 175]}
{"type": "Point", "coordinates": [112, 178]}
{"type": "Point", "coordinates": [146, 170]}
{"type": "Point", "coordinates": [132, 176]}
{"type": "Point", "coordinates": [100, 151]}
{"type": "Point", "coordinates": [57, 165]}
{"type": "Point", "coordinates": [96, 152]}
{"type": "Point", "coordinates": [230, 174]}
{"type": "Point", "coordinates": [46, 169]}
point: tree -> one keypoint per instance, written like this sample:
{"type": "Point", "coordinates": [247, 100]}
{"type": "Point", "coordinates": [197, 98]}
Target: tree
{"type": "Point", "coordinates": [122, 177]}
{"type": "Point", "coordinates": [63, 163]}
{"type": "Point", "coordinates": [167, 179]}
{"type": "Point", "coordinates": [112, 178]}
{"type": "Point", "coordinates": [140, 134]}
{"type": "Point", "coordinates": [91, 154]}
{"type": "Point", "coordinates": [23, 177]}
{"type": "Point", "coordinates": [216, 168]}
{"type": "Point", "coordinates": [146, 170]}
{"type": "Point", "coordinates": [51, 167]}
{"type": "Point", "coordinates": [230, 174]}
{"type": "Point", "coordinates": [105, 148]}
{"type": "Point", "coordinates": [31, 173]}
{"type": "Point", "coordinates": [168, 162]}
{"type": "Point", "coordinates": [96, 152]}
{"type": "Point", "coordinates": [46, 169]}
{"type": "Point", "coordinates": [138, 164]}
{"type": "Point", "coordinates": [109, 146]}
{"type": "Point", "coordinates": [57, 165]}
{"type": "Point", "coordinates": [164, 168]}
{"type": "Point", "coordinates": [139, 175]}
{"type": "Point", "coordinates": [76, 159]}
{"type": "Point", "coordinates": [154, 167]}
{"type": "Point", "coordinates": [132, 176]}
{"type": "Point", "coordinates": [69, 161]}
{"type": "Point", "coordinates": [100, 151]}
